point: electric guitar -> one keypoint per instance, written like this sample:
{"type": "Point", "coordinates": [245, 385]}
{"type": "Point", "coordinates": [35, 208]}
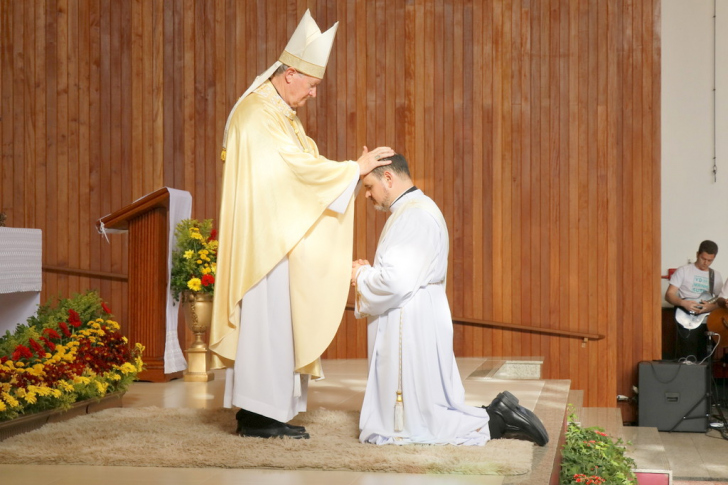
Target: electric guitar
{"type": "Point", "coordinates": [692, 320]}
{"type": "Point", "coordinates": [718, 323]}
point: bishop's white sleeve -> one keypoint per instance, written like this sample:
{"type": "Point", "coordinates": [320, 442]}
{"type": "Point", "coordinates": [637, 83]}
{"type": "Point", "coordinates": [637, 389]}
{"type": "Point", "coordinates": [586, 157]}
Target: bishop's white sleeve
{"type": "Point", "coordinates": [401, 266]}
{"type": "Point", "coordinates": [342, 201]}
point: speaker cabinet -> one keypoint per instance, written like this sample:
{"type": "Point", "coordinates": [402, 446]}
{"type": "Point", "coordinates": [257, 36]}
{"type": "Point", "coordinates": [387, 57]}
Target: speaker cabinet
{"type": "Point", "coordinates": [674, 397]}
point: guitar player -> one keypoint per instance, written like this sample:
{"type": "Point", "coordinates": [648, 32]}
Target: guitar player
{"type": "Point", "coordinates": [693, 289]}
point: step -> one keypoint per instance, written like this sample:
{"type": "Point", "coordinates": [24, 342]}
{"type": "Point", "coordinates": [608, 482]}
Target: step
{"type": "Point", "coordinates": [551, 409]}
{"type": "Point", "coordinates": [509, 368]}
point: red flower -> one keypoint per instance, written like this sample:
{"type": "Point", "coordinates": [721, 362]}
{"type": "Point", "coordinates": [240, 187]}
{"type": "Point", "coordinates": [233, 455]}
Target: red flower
{"type": "Point", "coordinates": [37, 347]}
{"type": "Point", "coordinates": [51, 333]}
{"type": "Point", "coordinates": [208, 280]}
{"type": "Point", "coordinates": [74, 318]}
{"type": "Point", "coordinates": [64, 329]}
{"type": "Point", "coordinates": [105, 307]}
{"type": "Point", "coordinates": [213, 235]}
{"type": "Point", "coordinates": [49, 344]}
{"type": "Point", "coordinates": [21, 351]}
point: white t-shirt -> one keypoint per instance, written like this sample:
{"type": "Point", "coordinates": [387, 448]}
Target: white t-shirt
{"type": "Point", "coordinates": [692, 282]}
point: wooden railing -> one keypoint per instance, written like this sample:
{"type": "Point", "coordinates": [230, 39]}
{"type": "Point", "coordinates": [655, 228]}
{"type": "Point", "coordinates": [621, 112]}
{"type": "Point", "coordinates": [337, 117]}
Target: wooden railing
{"type": "Point", "coordinates": [86, 273]}
{"type": "Point", "coordinates": [520, 328]}
{"type": "Point", "coordinates": [459, 320]}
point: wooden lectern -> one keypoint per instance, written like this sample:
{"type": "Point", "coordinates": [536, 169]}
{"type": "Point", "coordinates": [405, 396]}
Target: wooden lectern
{"type": "Point", "coordinates": [146, 219]}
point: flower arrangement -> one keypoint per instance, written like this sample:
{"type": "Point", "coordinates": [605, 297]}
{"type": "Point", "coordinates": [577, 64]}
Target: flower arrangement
{"type": "Point", "coordinates": [65, 354]}
{"type": "Point", "coordinates": [194, 259]}
{"type": "Point", "coordinates": [591, 457]}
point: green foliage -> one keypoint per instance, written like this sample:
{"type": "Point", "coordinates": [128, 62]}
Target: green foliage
{"type": "Point", "coordinates": [590, 456]}
{"type": "Point", "coordinates": [194, 259]}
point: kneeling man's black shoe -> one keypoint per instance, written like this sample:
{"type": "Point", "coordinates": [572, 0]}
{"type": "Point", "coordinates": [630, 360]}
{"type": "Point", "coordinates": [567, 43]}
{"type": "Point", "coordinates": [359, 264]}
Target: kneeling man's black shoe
{"type": "Point", "coordinates": [518, 419]}
{"type": "Point", "coordinates": [279, 430]}
{"type": "Point", "coordinates": [505, 396]}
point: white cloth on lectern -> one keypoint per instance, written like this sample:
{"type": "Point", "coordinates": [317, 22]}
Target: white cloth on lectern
{"type": "Point", "coordinates": [263, 379]}
{"type": "Point", "coordinates": [180, 207]}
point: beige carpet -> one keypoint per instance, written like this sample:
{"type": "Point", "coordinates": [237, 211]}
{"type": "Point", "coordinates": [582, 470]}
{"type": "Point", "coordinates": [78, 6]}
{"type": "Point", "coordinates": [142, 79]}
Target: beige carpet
{"type": "Point", "coordinates": [199, 438]}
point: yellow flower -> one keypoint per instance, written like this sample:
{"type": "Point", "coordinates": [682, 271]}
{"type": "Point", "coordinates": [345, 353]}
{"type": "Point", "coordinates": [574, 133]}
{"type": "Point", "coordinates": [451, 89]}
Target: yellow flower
{"type": "Point", "coordinates": [127, 368]}
{"type": "Point", "coordinates": [101, 386]}
{"type": "Point", "coordinates": [188, 254]}
{"type": "Point", "coordinates": [40, 390]}
{"type": "Point", "coordinates": [3, 407]}
{"type": "Point", "coordinates": [36, 370]}
{"type": "Point", "coordinates": [214, 268]}
{"type": "Point", "coordinates": [12, 402]}
{"type": "Point", "coordinates": [195, 284]}
{"type": "Point", "coordinates": [197, 235]}
{"type": "Point", "coordinates": [64, 386]}
{"type": "Point", "coordinates": [81, 380]}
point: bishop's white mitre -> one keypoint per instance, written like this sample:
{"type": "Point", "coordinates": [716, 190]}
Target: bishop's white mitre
{"type": "Point", "coordinates": [307, 51]}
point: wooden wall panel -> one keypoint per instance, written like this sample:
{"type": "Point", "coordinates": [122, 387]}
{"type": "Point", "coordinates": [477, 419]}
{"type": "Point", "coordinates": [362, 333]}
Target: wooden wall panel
{"type": "Point", "coordinates": [533, 123]}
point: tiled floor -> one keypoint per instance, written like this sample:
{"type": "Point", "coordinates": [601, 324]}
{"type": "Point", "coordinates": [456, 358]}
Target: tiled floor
{"type": "Point", "coordinates": [697, 456]}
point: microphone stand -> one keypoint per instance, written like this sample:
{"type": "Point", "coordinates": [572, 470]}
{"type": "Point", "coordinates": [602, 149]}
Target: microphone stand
{"type": "Point", "coordinates": [720, 417]}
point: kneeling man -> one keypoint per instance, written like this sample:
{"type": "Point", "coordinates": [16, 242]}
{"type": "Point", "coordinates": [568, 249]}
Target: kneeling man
{"type": "Point", "coordinates": [414, 393]}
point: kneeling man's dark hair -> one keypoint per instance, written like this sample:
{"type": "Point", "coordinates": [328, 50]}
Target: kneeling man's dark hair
{"type": "Point", "coordinates": [398, 166]}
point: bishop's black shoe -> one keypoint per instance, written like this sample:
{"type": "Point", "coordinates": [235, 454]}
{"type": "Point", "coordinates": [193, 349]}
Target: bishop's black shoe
{"type": "Point", "coordinates": [518, 420]}
{"type": "Point", "coordinates": [272, 431]}
{"type": "Point", "coordinates": [259, 426]}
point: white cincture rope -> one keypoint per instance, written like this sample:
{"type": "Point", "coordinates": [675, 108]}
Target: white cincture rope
{"type": "Point", "coordinates": [399, 405]}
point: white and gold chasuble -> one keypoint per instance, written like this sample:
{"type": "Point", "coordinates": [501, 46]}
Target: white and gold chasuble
{"type": "Point", "coordinates": [276, 194]}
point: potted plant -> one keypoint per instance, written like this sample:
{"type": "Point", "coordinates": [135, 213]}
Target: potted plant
{"type": "Point", "coordinates": [591, 457]}
{"type": "Point", "coordinates": [194, 258]}
{"type": "Point", "coordinates": [194, 265]}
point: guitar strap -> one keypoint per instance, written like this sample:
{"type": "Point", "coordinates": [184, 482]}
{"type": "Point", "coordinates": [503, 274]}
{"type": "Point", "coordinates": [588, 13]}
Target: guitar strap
{"type": "Point", "coordinates": [711, 279]}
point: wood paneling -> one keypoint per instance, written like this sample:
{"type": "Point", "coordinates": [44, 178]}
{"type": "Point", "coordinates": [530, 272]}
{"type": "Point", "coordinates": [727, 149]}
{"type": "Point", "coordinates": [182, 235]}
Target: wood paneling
{"type": "Point", "coordinates": [534, 124]}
